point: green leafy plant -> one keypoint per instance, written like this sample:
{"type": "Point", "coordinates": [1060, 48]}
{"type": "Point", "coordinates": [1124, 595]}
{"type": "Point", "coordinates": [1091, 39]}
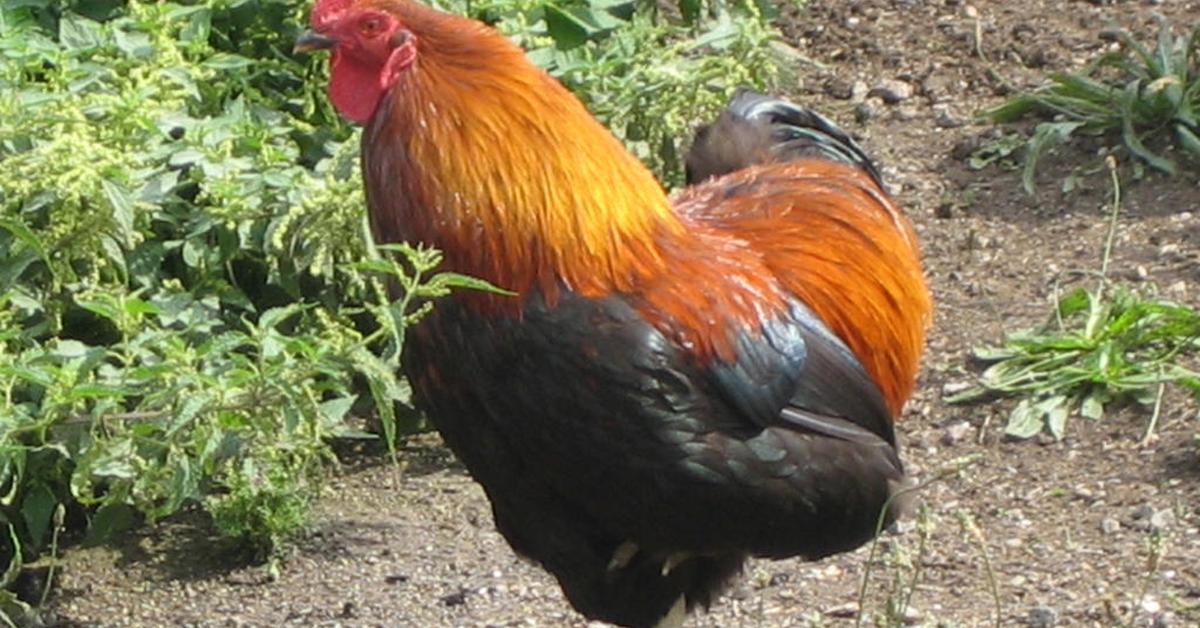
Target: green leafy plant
{"type": "Point", "coordinates": [1145, 95]}
{"type": "Point", "coordinates": [1098, 349]}
{"type": "Point", "coordinates": [1110, 344]}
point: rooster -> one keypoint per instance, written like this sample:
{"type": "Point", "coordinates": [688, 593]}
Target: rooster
{"type": "Point", "coordinates": [680, 383]}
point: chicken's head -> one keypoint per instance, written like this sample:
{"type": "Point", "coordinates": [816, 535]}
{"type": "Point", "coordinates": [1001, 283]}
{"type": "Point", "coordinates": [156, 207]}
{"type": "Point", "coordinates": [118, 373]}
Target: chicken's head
{"type": "Point", "coordinates": [371, 50]}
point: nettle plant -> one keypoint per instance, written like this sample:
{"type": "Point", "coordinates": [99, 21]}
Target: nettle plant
{"type": "Point", "coordinates": [190, 305]}
{"type": "Point", "coordinates": [184, 315]}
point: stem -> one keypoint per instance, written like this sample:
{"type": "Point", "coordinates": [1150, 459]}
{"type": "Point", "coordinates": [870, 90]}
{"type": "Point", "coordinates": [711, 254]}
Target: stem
{"type": "Point", "coordinates": [957, 466]}
{"type": "Point", "coordinates": [1111, 162]}
{"type": "Point", "coordinates": [1162, 386]}
{"type": "Point", "coordinates": [59, 514]}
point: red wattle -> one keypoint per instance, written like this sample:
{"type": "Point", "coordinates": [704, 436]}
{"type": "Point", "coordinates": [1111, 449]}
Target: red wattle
{"type": "Point", "coordinates": [354, 87]}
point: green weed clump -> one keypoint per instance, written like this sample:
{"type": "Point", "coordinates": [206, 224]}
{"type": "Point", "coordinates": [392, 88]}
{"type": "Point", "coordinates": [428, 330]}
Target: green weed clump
{"type": "Point", "coordinates": [1111, 344]}
{"type": "Point", "coordinates": [1101, 347]}
{"type": "Point", "coordinates": [1147, 96]}
{"type": "Point", "coordinates": [190, 307]}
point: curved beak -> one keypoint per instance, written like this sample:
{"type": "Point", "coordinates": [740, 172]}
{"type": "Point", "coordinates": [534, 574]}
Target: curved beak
{"type": "Point", "coordinates": [312, 40]}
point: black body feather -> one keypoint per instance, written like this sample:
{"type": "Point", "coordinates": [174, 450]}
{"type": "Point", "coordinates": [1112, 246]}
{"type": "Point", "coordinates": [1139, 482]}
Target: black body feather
{"type": "Point", "coordinates": [589, 429]}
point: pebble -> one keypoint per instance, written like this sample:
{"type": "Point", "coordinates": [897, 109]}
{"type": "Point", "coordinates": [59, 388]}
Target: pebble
{"type": "Point", "coordinates": [943, 118]}
{"type": "Point", "coordinates": [953, 388]}
{"type": "Point", "coordinates": [1109, 525]}
{"type": "Point", "coordinates": [840, 89]}
{"type": "Point", "coordinates": [1162, 519]}
{"type": "Point", "coordinates": [892, 91]}
{"type": "Point", "coordinates": [1042, 617]}
{"type": "Point", "coordinates": [905, 113]}
{"type": "Point", "coordinates": [859, 91]}
{"type": "Point", "coordinates": [956, 433]}
{"type": "Point", "coordinates": [864, 112]}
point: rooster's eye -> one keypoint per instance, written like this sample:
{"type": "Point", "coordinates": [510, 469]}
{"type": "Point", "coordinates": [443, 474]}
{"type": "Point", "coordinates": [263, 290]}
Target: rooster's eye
{"type": "Point", "coordinates": [370, 26]}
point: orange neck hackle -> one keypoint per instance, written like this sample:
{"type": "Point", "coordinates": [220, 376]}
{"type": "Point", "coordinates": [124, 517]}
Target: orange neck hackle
{"type": "Point", "coordinates": [505, 170]}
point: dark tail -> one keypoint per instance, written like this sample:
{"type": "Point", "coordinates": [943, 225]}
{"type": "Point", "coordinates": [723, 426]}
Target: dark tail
{"type": "Point", "coordinates": [755, 128]}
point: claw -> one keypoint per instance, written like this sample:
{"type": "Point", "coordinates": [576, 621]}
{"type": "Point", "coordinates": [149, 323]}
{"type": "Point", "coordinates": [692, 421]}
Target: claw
{"type": "Point", "coordinates": [672, 562]}
{"type": "Point", "coordinates": [625, 553]}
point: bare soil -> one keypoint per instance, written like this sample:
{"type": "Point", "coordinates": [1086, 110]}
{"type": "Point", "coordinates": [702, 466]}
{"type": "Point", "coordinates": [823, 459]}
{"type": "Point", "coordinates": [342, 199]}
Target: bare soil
{"type": "Point", "coordinates": [1066, 526]}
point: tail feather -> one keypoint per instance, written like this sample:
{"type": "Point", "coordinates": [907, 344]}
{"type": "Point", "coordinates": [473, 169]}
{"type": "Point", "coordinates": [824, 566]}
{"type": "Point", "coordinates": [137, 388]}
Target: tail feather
{"type": "Point", "coordinates": [755, 128]}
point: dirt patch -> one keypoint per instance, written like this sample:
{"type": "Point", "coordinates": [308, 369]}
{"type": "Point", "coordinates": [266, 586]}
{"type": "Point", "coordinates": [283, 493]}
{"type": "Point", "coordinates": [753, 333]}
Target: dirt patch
{"type": "Point", "coordinates": [1066, 526]}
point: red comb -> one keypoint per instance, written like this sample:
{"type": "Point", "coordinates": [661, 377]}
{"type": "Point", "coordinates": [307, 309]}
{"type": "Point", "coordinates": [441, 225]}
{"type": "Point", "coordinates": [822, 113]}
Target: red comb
{"type": "Point", "coordinates": [327, 10]}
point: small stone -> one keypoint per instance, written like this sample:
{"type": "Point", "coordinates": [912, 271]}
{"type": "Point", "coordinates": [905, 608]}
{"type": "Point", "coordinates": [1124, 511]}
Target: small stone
{"type": "Point", "coordinates": [1150, 605]}
{"type": "Point", "coordinates": [1162, 519]}
{"type": "Point", "coordinates": [946, 120]}
{"type": "Point", "coordinates": [956, 433]}
{"type": "Point", "coordinates": [839, 89]}
{"type": "Point", "coordinates": [864, 112]}
{"type": "Point", "coordinates": [1042, 617]}
{"type": "Point", "coordinates": [892, 91]}
{"type": "Point", "coordinates": [843, 611]}
{"type": "Point", "coordinates": [458, 598]}
{"type": "Point", "coordinates": [859, 91]}
{"type": "Point", "coordinates": [1142, 512]}
{"type": "Point", "coordinates": [1109, 525]}
{"type": "Point", "coordinates": [953, 388]}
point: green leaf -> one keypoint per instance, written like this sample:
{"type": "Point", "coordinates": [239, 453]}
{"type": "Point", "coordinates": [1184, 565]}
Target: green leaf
{"type": "Point", "coordinates": [1056, 413]}
{"type": "Point", "coordinates": [187, 411]}
{"type": "Point", "coordinates": [1046, 136]}
{"type": "Point", "coordinates": [110, 520]}
{"type": "Point", "coordinates": [96, 391]}
{"type": "Point", "coordinates": [37, 509]}
{"type": "Point", "coordinates": [276, 315]}
{"type": "Point", "coordinates": [1092, 407]}
{"type": "Point", "coordinates": [455, 280]}
{"type": "Point", "coordinates": [335, 410]}
{"type": "Point", "coordinates": [26, 236]}
{"type": "Point", "coordinates": [1188, 139]}
{"type": "Point", "coordinates": [1024, 421]}
{"type": "Point", "coordinates": [121, 203]}
{"type": "Point", "coordinates": [76, 32]}
{"type": "Point", "coordinates": [116, 461]}
{"type": "Point", "coordinates": [1130, 136]}
{"type": "Point", "coordinates": [566, 28]}
{"type": "Point", "coordinates": [226, 61]}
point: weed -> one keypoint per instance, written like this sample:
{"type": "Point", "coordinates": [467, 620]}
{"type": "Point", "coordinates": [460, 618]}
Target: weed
{"type": "Point", "coordinates": [1111, 344]}
{"type": "Point", "coordinates": [1138, 93]}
